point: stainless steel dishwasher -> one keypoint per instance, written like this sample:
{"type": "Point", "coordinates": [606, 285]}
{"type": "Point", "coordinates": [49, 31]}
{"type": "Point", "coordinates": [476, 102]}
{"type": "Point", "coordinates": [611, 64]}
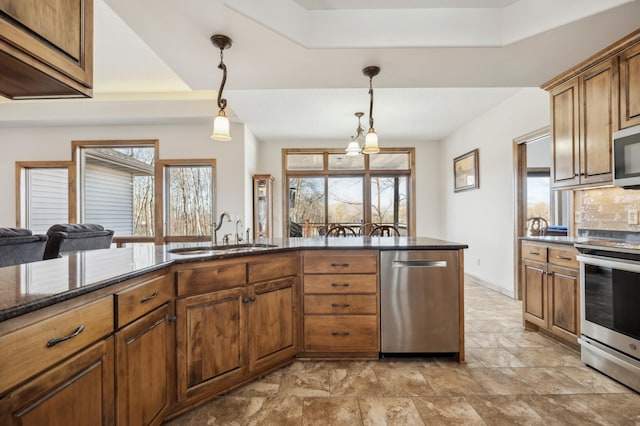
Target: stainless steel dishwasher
{"type": "Point", "coordinates": [419, 301]}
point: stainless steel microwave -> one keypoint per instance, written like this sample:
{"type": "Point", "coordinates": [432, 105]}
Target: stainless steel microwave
{"type": "Point", "coordinates": [626, 157]}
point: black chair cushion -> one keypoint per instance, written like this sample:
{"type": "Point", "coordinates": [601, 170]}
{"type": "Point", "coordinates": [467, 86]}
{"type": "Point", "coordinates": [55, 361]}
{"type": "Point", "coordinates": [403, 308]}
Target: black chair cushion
{"type": "Point", "coordinates": [18, 246]}
{"type": "Point", "coordinates": [74, 237]}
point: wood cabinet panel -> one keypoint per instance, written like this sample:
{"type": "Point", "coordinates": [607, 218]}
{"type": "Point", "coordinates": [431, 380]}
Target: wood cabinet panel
{"type": "Point", "coordinates": [535, 294]}
{"type": "Point", "coordinates": [563, 302]}
{"type": "Point", "coordinates": [210, 350]}
{"type": "Point", "coordinates": [341, 304]}
{"type": "Point", "coordinates": [218, 276]}
{"type": "Point", "coordinates": [144, 369]}
{"type": "Point", "coordinates": [565, 161]}
{"type": "Point", "coordinates": [599, 103]}
{"type": "Point", "coordinates": [340, 283]}
{"type": "Point", "coordinates": [340, 262]}
{"type": "Point", "coordinates": [47, 48]}
{"type": "Point", "coordinates": [51, 340]}
{"type": "Point", "coordinates": [272, 325]}
{"type": "Point", "coordinates": [564, 256]}
{"type": "Point", "coordinates": [534, 251]}
{"type": "Point", "coordinates": [269, 267]}
{"type": "Point", "coordinates": [630, 86]}
{"type": "Point", "coordinates": [134, 302]}
{"type": "Point", "coordinates": [357, 333]}
{"type": "Point", "coordinates": [79, 391]}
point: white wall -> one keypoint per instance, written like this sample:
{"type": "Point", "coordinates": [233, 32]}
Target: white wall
{"type": "Point", "coordinates": [484, 218]}
{"type": "Point", "coordinates": [250, 165]}
{"type": "Point", "coordinates": [177, 141]}
{"type": "Point", "coordinates": [428, 178]}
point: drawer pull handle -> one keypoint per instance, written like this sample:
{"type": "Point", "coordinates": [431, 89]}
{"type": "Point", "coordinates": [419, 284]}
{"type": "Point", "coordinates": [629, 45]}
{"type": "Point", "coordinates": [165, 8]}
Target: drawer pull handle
{"type": "Point", "coordinates": [339, 333]}
{"type": "Point", "coordinates": [146, 299]}
{"type": "Point", "coordinates": [57, 340]}
{"type": "Point", "coordinates": [340, 265]}
{"type": "Point", "coordinates": [340, 284]}
{"type": "Point", "coordinates": [536, 253]}
{"type": "Point", "coordinates": [340, 305]}
{"type": "Point", "coordinates": [563, 258]}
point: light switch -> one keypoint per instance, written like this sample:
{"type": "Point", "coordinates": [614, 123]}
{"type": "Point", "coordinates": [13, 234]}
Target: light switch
{"type": "Point", "coordinates": [632, 217]}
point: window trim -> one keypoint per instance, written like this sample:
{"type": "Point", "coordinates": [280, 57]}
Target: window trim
{"type": "Point", "coordinates": [366, 173]}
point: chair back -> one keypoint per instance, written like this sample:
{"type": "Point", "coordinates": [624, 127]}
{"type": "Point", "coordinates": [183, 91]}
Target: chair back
{"type": "Point", "coordinates": [18, 245]}
{"type": "Point", "coordinates": [66, 237]}
{"type": "Point", "coordinates": [384, 231]}
{"type": "Point", "coordinates": [537, 226]}
{"type": "Point", "coordinates": [340, 231]}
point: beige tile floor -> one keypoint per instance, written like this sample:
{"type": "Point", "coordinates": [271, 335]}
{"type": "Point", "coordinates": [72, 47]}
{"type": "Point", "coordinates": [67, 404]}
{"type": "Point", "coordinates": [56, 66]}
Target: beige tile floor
{"type": "Point", "coordinates": [511, 377]}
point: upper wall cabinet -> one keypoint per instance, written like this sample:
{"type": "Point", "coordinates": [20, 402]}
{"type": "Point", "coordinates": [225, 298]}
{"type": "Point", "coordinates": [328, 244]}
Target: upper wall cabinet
{"type": "Point", "coordinates": [46, 48]}
{"type": "Point", "coordinates": [630, 86]}
{"type": "Point", "coordinates": [588, 103]}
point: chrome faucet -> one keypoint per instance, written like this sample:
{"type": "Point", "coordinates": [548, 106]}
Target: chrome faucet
{"type": "Point", "coordinates": [239, 234]}
{"type": "Point", "coordinates": [216, 227]}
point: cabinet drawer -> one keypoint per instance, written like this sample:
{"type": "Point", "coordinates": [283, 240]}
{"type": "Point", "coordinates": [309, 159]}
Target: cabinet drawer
{"type": "Point", "coordinates": [358, 333]}
{"type": "Point", "coordinates": [341, 304]}
{"type": "Point", "coordinates": [534, 251]}
{"type": "Point", "coordinates": [564, 257]}
{"type": "Point", "coordinates": [32, 349]}
{"type": "Point", "coordinates": [340, 283]}
{"type": "Point", "coordinates": [136, 301]}
{"type": "Point", "coordinates": [269, 267]}
{"type": "Point", "coordinates": [211, 278]}
{"type": "Point", "coordinates": [341, 263]}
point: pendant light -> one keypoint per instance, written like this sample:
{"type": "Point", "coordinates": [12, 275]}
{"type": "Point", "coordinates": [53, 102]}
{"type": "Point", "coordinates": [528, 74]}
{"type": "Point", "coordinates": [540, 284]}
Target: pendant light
{"type": "Point", "coordinates": [371, 140]}
{"type": "Point", "coordinates": [221, 122]}
{"type": "Point", "coordinates": [354, 149]}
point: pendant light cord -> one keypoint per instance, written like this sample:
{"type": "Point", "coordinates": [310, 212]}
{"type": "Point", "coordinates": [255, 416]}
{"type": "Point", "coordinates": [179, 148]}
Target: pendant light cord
{"type": "Point", "coordinates": [222, 103]}
{"type": "Point", "coordinates": [371, 102]}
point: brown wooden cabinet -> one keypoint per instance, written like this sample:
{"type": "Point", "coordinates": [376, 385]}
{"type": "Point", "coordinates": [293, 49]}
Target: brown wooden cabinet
{"type": "Point", "coordinates": [588, 103]}
{"type": "Point", "coordinates": [145, 352]}
{"type": "Point", "coordinates": [242, 325]}
{"type": "Point", "coordinates": [78, 391]}
{"type": "Point", "coordinates": [46, 48]}
{"type": "Point", "coordinates": [341, 303]}
{"type": "Point", "coordinates": [583, 116]}
{"type": "Point", "coordinates": [551, 280]}
{"type": "Point", "coordinates": [630, 86]}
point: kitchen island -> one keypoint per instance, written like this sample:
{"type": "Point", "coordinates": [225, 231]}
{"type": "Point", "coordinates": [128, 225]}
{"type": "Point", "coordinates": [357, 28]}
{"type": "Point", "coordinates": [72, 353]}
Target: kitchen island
{"type": "Point", "coordinates": [152, 330]}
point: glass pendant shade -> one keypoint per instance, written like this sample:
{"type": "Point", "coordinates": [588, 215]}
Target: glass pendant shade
{"type": "Point", "coordinates": [221, 128]}
{"type": "Point", "coordinates": [353, 149]}
{"type": "Point", "coordinates": [371, 143]}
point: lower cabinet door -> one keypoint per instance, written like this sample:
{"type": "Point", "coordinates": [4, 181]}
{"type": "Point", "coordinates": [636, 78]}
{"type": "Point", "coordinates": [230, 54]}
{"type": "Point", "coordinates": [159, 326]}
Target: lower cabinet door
{"type": "Point", "coordinates": [272, 331]}
{"type": "Point", "coordinates": [211, 342]}
{"type": "Point", "coordinates": [535, 293]}
{"type": "Point", "coordinates": [78, 391]}
{"type": "Point", "coordinates": [143, 366]}
{"type": "Point", "coordinates": [563, 302]}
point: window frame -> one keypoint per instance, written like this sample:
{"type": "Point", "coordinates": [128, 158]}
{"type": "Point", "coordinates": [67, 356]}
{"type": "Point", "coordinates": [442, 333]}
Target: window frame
{"type": "Point", "coordinates": [366, 173]}
{"type": "Point", "coordinates": [161, 208]}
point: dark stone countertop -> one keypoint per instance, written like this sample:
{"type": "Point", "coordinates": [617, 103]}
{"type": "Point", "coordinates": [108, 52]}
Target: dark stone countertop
{"type": "Point", "coordinates": [31, 286]}
{"type": "Point", "coordinates": [556, 239]}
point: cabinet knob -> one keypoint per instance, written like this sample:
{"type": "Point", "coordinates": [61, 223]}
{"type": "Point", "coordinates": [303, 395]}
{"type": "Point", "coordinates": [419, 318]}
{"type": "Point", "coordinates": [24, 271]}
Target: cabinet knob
{"type": "Point", "coordinates": [245, 299]}
{"type": "Point", "coordinates": [252, 299]}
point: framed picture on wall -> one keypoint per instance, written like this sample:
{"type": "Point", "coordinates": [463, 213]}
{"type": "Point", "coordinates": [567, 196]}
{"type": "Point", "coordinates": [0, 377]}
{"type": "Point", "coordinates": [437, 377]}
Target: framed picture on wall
{"type": "Point", "coordinates": [465, 171]}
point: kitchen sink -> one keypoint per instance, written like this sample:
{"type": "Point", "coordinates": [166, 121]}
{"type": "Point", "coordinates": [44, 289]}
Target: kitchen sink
{"type": "Point", "coordinates": [222, 249]}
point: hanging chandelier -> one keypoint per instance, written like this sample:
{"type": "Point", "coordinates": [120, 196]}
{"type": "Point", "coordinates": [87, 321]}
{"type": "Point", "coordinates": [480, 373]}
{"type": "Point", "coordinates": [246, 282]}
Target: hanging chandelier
{"type": "Point", "coordinates": [354, 147]}
{"type": "Point", "coordinates": [221, 122]}
{"type": "Point", "coordinates": [371, 140]}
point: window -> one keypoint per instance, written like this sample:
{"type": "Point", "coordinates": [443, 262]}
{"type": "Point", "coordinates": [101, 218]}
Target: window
{"type": "Point", "coordinates": [327, 188]}
{"type": "Point", "coordinates": [189, 194]}
{"type": "Point", "coordinates": [43, 196]}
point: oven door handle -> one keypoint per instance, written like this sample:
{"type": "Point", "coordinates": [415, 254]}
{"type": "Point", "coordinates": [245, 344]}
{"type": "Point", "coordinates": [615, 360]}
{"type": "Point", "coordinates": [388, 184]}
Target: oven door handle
{"type": "Point", "coordinates": [605, 262]}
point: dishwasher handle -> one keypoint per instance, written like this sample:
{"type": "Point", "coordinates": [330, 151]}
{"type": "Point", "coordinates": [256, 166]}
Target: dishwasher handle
{"type": "Point", "coordinates": [419, 264]}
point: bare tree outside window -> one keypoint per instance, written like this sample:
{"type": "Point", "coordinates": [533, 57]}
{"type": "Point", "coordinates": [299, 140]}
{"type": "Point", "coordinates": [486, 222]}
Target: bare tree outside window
{"type": "Point", "coordinates": [189, 200]}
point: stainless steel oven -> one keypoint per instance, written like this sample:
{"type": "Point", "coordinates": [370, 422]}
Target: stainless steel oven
{"type": "Point", "coordinates": [610, 309]}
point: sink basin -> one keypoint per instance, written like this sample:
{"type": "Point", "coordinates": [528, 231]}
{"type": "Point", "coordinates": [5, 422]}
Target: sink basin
{"type": "Point", "coordinates": [222, 249]}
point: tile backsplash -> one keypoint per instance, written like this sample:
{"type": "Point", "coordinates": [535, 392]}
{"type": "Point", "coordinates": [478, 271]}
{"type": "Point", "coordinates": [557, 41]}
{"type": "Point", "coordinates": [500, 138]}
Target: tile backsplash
{"type": "Point", "coordinates": [606, 208]}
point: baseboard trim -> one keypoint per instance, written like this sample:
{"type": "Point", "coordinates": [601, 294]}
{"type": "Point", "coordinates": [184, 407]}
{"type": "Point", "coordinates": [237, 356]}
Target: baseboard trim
{"type": "Point", "coordinates": [491, 286]}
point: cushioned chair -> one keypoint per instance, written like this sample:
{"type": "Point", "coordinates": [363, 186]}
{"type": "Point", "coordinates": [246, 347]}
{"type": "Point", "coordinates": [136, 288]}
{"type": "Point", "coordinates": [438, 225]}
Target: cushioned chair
{"type": "Point", "coordinates": [75, 237]}
{"type": "Point", "coordinates": [19, 245]}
